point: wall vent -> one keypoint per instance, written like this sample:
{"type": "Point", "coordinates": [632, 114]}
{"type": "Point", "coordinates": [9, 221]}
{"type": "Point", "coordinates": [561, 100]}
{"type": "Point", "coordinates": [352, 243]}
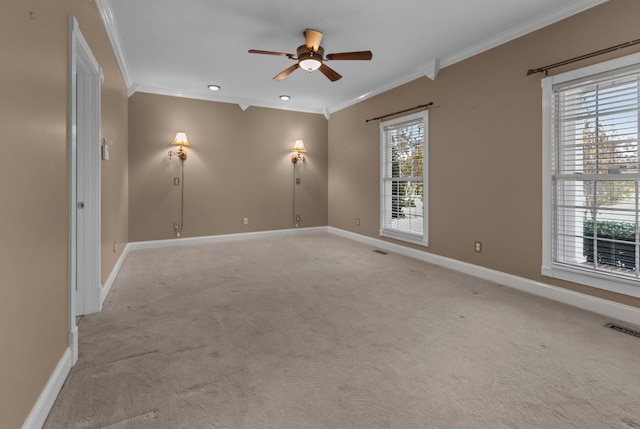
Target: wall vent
{"type": "Point", "coordinates": [624, 330]}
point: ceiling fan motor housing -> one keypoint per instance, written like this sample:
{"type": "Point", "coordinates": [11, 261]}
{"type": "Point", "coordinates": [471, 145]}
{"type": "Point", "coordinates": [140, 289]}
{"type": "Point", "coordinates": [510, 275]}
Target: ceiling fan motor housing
{"type": "Point", "coordinates": [305, 54]}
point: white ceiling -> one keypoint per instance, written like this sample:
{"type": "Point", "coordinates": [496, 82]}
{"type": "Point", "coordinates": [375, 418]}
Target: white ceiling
{"type": "Point", "coordinates": [178, 47]}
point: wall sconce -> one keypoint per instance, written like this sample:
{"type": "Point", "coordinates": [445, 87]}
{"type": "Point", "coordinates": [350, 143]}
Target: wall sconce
{"type": "Point", "coordinates": [298, 148]}
{"type": "Point", "coordinates": [180, 140]}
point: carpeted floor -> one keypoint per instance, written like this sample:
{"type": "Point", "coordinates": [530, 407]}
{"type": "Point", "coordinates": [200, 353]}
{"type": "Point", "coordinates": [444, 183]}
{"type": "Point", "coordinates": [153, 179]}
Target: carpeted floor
{"type": "Point", "coordinates": [316, 331]}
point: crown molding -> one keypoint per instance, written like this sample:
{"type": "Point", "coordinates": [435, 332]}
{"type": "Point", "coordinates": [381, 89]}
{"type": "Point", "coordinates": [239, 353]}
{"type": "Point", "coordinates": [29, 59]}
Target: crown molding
{"type": "Point", "coordinates": [106, 12]}
{"type": "Point", "coordinates": [393, 84]}
{"type": "Point", "coordinates": [550, 18]}
{"type": "Point", "coordinates": [244, 103]}
{"type": "Point", "coordinates": [108, 19]}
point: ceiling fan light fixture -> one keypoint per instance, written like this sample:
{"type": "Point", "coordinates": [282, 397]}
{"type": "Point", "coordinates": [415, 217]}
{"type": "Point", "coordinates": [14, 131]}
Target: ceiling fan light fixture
{"type": "Point", "coordinates": [310, 64]}
{"type": "Point", "coordinates": [310, 57]}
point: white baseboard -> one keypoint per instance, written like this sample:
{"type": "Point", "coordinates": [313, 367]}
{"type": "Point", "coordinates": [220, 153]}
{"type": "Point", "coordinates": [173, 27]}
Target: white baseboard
{"type": "Point", "coordinates": [187, 241]}
{"type": "Point", "coordinates": [73, 344]}
{"type": "Point", "coordinates": [621, 312]}
{"type": "Point", "coordinates": [42, 407]}
{"type": "Point", "coordinates": [106, 288]}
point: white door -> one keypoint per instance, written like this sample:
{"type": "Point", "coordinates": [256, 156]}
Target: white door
{"type": "Point", "coordinates": [84, 177]}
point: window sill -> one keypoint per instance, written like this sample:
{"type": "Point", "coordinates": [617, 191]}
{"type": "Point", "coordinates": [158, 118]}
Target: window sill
{"type": "Point", "coordinates": [409, 238]}
{"type": "Point", "coordinates": [602, 281]}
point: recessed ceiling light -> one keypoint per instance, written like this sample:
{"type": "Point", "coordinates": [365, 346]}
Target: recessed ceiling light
{"type": "Point", "coordinates": [285, 97]}
{"type": "Point", "coordinates": [213, 87]}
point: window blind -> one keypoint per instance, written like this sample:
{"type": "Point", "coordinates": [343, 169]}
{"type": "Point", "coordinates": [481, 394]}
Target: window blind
{"type": "Point", "coordinates": [403, 171]}
{"type": "Point", "coordinates": [596, 178]}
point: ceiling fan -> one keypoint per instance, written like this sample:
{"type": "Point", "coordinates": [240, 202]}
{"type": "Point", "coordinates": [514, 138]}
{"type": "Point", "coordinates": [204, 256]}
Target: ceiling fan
{"type": "Point", "coordinates": [311, 57]}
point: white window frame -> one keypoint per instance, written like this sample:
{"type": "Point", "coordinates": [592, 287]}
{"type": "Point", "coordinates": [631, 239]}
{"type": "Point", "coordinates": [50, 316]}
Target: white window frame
{"type": "Point", "coordinates": [551, 268]}
{"type": "Point", "coordinates": [398, 234]}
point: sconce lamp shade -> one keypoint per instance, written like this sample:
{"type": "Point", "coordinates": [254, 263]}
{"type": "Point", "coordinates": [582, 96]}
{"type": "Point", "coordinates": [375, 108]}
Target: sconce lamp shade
{"type": "Point", "coordinates": [181, 139]}
{"type": "Point", "coordinates": [299, 146]}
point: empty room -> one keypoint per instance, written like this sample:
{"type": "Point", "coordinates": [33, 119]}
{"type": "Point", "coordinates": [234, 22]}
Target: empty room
{"type": "Point", "coordinates": [286, 214]}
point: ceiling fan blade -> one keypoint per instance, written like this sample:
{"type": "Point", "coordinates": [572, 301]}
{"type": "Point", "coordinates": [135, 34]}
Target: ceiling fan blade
{"type": "Point", "coordinates": [360, 55]}
{"type": "Point", "coordinates": [286, 72]}
{"type": "Point", "coordinates": [329, 72]}
{"type": "Point", "coordinates": [280, 54]}
{"type": "Point", "coordinates": [313, 39]}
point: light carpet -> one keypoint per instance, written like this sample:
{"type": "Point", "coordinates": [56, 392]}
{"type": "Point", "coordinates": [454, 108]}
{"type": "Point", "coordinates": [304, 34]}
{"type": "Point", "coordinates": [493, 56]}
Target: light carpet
{"type": "Point", "coordinates": [317, 331]}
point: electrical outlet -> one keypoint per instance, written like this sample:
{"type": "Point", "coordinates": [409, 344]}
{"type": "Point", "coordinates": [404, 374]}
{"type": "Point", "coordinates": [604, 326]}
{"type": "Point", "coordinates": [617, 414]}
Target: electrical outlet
{"type": "Point", "coordinates": [478, 246]}
{"type": "Point", "coordinates": [176, 181]}
{"type": "Point", "coordinates": [358, 222]}
{"type": "Point", "coordinates": [114, 247]}
{"type": "Point", "coordinates": [176, 225]}
{"type": "Point", "coordinates": [297, 181]}
{"type": "Point", "coordinates": [297, 218]}
{"type": "Point", "coordinates": [245, 221]}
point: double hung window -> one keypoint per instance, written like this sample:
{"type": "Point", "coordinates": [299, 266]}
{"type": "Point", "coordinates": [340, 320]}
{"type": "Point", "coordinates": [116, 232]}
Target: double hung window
{"type": "Point", "coordinates": [404, 187]}
{"type": "Point", "coordinates": [592, 175]}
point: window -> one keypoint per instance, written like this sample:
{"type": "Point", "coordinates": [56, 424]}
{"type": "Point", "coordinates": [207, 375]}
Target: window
{"type": "Point", "coordinates": [591, 176]}
{"type": "Point", "coordinates": [404, 191]}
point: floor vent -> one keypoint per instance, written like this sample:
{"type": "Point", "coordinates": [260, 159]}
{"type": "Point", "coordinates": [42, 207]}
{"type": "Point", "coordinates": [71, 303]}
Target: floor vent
{"type": "Point", "coordinates": [382, 252]}
{"type": "Point", "coordinates": [624, 330]}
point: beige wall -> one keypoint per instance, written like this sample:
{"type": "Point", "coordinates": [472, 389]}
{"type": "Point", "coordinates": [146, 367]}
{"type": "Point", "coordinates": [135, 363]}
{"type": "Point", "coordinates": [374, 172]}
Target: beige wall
{"type": "Point", "coordinates": [484, 134]}
{"type": "Point", "coordinates": [239, 165]}
{"type": "Point", "coordinates": [34, 278]}
{"type": "Point", "coordinates": [485, 146]}
{"type": "Point", "coordinates": [114, 172]}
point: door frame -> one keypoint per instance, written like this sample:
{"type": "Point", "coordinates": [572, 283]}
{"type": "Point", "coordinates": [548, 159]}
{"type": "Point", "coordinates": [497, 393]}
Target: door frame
{"type": "Point", "coordinates": [87, 244]}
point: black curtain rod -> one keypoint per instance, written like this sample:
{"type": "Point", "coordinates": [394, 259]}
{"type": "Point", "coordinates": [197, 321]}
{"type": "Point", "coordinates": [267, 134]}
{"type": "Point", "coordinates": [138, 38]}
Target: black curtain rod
{"type": "Point", "coordinates": [401, 111]}
{"type": "Point", "coordinates": [545, 69]}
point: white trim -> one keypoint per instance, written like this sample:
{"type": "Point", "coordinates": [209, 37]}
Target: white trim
{"type": "Point", "coordinates": [549, 268]}
{"type": "Point", "coordinates": [73, 344]}
{"type": "Point", "coordinates": [47, 398]}
{"type": "Point", "coordinates": [42, 407]}
{"type": "Point", "coordinates": [109, 21]}
{"type": "Point", "coordinates": [244, 103]}
{"type": "Point", "coordinates": [72, 142]}
{"type": "Point", "coordinates": [595, 279]}
{"type": "Point", "coordinates": [552, 17]}
{"type": "Point", "coordinates": [421, 239]}
{"type": "Point", "coordinates": [430, 69]}
{"type": "Point", "coordinates": [106, 288]}
{"type": "Point", "coordinates": [409, 77]}
{"type": "Point", "coordinates": [621, 312]}
{"type": "Point", "coordinates": [547, 194]}
{"type": "Point", "coordinates": [188, 241]}
{"type": "Point", "coordinates": [106, 13]}
{"type": "Point", "coordinates": [409, 238]}
{"type": "Point", "coordinates": [485, 45]}
{"type": "Point", "coordinates": [603, 67]}
{"type": "Point", "coordinates": [87, 296]}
